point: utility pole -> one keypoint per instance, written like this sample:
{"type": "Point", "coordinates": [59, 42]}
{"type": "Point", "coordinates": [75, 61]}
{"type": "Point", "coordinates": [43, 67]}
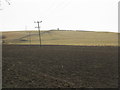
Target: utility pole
{"type": "Point", "coordinates": [38, 22]}
{"type": "Point", "coordinates": [29, 37]}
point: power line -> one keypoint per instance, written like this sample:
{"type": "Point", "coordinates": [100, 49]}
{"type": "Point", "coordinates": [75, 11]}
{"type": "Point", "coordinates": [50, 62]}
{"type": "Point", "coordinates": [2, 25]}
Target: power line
{"type": "Point", "coordinates": [2, 5]}
{"type": "Point", "coordinates": [38, 22]}
{"type": "Point", "coordinates": [7, 2]}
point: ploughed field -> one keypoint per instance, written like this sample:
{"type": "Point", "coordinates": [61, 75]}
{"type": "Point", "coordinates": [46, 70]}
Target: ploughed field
{"type": "Point", "coordinates": [52, 66]}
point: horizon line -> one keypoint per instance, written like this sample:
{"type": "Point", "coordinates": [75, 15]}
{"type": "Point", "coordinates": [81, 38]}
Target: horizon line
{"type": "Point", "coordinates": [57, 30]}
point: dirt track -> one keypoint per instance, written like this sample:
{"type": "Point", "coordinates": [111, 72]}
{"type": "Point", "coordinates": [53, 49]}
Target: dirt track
{"type": "Point", "coordinates": [59, 66]}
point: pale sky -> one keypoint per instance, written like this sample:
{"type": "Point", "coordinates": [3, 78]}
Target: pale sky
{"type": "Point", "coordinates": [91, 15]}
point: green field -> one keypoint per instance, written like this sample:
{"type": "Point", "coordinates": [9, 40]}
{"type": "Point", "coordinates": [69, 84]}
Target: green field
{"type": "Point", "coordinates": [62, 37]}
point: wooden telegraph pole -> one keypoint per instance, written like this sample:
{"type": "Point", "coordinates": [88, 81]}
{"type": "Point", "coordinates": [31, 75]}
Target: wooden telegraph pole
{"type": "Point", "coordinates": [29, 35]}
{"type": "Point", "coordinates": [38, 22]}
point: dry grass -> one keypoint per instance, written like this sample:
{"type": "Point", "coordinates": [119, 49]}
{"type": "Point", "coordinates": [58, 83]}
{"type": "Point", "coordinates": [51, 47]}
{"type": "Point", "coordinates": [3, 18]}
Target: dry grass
{"type": "Point", "coordinates": [63, 38]}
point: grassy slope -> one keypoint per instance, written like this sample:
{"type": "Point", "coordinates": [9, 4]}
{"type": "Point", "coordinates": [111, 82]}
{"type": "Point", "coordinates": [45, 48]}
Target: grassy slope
{"type": "Point", "coordinates": [63, 38]}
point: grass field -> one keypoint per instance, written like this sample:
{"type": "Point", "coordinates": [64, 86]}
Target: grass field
{"type": "Point", "coordinates": [54, 37]}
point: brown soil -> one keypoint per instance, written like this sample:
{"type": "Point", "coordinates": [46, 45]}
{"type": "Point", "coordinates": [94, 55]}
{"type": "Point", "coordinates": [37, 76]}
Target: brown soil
{"type": "Point", "coordinates": [59, 66]}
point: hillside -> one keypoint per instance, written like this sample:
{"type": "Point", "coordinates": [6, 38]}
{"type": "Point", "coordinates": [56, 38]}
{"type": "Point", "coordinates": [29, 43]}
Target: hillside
{"type": "Point", "coordinates": [52, 37]}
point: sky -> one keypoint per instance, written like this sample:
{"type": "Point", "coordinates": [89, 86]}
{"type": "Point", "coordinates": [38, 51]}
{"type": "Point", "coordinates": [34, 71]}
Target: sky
{"type": "Point", "coordinates": [89, 15]}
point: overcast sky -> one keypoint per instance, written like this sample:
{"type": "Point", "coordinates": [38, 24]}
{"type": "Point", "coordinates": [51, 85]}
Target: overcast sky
{"type": "Point", "coordinates": [91, 15]}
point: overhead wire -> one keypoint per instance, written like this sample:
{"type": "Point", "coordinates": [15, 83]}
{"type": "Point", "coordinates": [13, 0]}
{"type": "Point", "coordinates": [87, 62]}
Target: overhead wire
{"type": "Point", "coordinates": [7, 2]}
{"type": "Point", "coordinates": [54, 6]}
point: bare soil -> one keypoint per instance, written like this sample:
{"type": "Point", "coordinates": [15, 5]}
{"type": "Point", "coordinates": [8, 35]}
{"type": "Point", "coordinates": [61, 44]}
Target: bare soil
{"type": "Point", "coordinates": [59, 66]}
